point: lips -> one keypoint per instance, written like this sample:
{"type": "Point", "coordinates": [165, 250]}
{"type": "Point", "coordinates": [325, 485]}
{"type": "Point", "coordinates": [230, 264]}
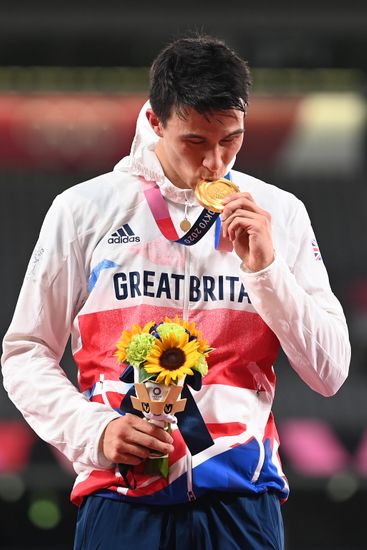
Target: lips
{"type": "Point", "coordinates": [210, 178]}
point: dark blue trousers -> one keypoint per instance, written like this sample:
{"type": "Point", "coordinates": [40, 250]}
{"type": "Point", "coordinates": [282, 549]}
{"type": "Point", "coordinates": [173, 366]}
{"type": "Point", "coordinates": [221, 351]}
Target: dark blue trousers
{"type": "Point", "coordinates": [214, 522]}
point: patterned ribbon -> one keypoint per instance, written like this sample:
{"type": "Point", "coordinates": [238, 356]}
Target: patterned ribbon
{"type": "Point", "coordinates": [202, 225]}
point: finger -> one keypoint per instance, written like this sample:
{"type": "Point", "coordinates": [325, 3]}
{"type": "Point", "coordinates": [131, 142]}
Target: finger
{"type": "Point", "coordinates": [231, 202]}
{"type": "Point", "coordinates": [148, 428]}
{"type": "Point", "coordinates": [243, 203]}
{"type": "Point", "coordinates": [150, 442]}
{"type": "Point", "coordinates": [128, 459]}
{"type": "Point", "coordinates": [122, 451]}
{"type": "Point", "coordinates": [131, 454]}
{"type": "Point", "coordinates": [249, 224]}
{"type": "Point", "coordinates": [241, 215]}
{"type": "Point", "coordinates": [235, 196]}
{"type": "Point", "coordinates": [239, 204]}
{"type": "Point", "coordinates": [138, 446]}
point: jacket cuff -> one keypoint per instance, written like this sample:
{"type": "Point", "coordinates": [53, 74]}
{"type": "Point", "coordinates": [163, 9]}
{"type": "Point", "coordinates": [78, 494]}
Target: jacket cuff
{"type": "Point", "coordinates": [248, 271]}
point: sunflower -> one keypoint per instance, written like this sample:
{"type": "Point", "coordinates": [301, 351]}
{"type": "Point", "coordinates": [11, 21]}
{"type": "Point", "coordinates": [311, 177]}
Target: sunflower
{"type": "Point", "coordinates": [172, 357]}
{"type": "Point", "coordinates": [127, 336]}
{"type": "Point", "coordinates": [194, 332]}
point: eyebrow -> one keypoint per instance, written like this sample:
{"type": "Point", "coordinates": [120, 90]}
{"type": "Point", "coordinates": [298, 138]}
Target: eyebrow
{"type": "Point", "coordinates": [198, 136]}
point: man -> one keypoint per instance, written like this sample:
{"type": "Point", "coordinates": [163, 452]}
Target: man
{"type": "Point", "coordinates": [102, 264]}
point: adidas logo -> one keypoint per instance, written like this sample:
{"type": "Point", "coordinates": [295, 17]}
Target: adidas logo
{"type": "Point", "coordinates": [124, 235]}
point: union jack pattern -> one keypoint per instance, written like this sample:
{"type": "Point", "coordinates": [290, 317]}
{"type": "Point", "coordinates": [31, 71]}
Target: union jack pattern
{"type": "Point", "coordinates": [316, 250]}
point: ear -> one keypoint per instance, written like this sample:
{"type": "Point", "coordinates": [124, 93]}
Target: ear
{"type": "Point", "coordinates": [154, 122]}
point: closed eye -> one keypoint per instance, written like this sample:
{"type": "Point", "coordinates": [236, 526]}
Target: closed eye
{"type": "Point", "coordinates": [232, 137]}
{"type": "Point", "coordinates": [195, 141]}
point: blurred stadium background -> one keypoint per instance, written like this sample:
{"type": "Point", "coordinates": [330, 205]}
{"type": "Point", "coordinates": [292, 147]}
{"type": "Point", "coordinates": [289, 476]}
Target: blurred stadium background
{"type": "Point", "coordinates": [73, 77]}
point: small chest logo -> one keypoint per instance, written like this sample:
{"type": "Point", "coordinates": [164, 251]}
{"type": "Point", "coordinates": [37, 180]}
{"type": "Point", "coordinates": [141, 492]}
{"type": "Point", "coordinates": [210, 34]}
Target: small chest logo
{"type": "Point", "coordinates": [123, 235]}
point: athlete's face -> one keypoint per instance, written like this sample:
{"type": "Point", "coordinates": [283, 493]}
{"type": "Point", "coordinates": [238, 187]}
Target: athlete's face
{"type": "Point", "coordinates": [197, 147]}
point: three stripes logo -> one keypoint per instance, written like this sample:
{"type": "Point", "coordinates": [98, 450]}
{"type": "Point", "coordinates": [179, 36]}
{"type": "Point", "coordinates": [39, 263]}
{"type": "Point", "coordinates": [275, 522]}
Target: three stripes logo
{"type": "Point", "coordinates": [124, 235]}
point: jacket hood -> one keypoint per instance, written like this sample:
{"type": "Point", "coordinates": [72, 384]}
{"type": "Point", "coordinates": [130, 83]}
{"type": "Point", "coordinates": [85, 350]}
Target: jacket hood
{"type": "Point", "coordinates": [143, 161]}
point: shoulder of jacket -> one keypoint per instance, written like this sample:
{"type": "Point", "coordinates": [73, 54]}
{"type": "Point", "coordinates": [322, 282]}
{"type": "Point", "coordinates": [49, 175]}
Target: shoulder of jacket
{"type": "Point", "coordinates": [102, 194]}
{"type": "Point", "coordinates": [99, 187]}
{"type": "Point", "coordinates": [94, 203]}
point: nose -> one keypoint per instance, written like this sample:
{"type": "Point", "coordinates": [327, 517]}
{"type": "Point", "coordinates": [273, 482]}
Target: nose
{"type": "Point", "coordinates": [212, 160]}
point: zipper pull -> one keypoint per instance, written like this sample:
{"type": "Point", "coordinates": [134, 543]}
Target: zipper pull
{"type": "Point", "coordinates": [191, 496]}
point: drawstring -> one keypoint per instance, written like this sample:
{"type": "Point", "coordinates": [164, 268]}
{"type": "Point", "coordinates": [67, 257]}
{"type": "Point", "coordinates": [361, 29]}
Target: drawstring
{"type": "Point", "coordinates": [185, 224]}
{"type": "Point", "coordinates": [186, 205]}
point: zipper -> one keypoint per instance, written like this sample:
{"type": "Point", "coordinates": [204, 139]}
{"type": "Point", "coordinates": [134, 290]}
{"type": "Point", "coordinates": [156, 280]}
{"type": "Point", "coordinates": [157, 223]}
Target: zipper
{"type": "Point", "coordinates": [186, 297]}
{"type": "Point", "coordinates": [190, 492]}
{"type": "Point", "coordinates": [185, 314]}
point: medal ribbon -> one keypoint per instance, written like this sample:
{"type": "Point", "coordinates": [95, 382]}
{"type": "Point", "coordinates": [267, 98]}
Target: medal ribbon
{"type": "Point", "coordinates": [159, 209]}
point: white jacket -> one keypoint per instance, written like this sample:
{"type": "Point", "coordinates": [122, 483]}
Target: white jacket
{"type": "Point", "coordinates": [82, 280]}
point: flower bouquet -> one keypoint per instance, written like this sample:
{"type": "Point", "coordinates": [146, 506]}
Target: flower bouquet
{"type": "Point", "coordinates": [162, 356]}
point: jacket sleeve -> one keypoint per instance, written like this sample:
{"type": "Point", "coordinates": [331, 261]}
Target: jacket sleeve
{"type": "Point", "coordinates": [296, 301]}
{"type": "Point", "coordinates": [53, 291]}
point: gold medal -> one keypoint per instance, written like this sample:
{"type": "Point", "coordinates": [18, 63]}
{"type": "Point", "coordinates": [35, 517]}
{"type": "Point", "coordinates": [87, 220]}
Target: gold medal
{"type": "Point", "coordinates": [210, 194]}
{"type": "Point", "coordinates": [185, 225]}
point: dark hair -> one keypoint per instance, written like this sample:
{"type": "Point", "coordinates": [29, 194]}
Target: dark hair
{"type": "Point", "coordinates": [202, 73]}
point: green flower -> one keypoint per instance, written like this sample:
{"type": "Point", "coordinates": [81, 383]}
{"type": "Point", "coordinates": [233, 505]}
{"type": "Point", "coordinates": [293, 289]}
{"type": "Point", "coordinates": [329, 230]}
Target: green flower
{"type": "Point", "coordinates": [201, 366]}
{"type": "Point", "coordinates": [165, 329]}
{"type": "Point", "coordinates": [139, 348]}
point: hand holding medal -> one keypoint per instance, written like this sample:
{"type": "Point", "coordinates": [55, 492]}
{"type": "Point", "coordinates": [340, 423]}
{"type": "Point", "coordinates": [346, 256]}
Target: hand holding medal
{"type": "Point", "coordinates": [244, 223]}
